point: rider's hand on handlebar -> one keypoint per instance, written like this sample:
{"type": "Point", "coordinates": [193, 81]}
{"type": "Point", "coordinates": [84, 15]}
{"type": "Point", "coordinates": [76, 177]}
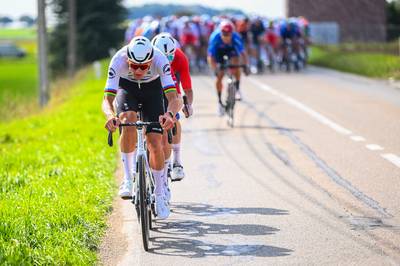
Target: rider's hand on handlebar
{"type": "Point", "coordinates": [112, 123]}
{"type": "Point", "coordinates": [166, 121]}
{"type": "Point", "coordinates": [188, 110]}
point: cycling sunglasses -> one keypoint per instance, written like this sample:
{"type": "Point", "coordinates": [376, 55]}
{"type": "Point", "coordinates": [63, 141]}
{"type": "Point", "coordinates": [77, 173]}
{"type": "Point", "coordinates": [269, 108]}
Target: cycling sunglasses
{"type": "Point", "coordinates": [226, 33]}
{"type": "Point", "coordinates": [137, 66]}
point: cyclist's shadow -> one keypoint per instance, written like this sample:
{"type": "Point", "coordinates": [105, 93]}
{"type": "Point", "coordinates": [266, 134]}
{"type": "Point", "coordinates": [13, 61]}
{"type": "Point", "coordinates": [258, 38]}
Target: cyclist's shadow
{"type": "Point", "coordinates": [180, 237]}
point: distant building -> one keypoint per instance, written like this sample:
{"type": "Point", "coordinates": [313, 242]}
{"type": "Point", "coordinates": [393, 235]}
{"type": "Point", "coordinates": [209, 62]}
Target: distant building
{"type": "Point", "coordinates": [356, 20]}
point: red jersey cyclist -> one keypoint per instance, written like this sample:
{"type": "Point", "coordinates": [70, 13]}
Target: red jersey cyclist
{"type": "Point", "coordinates": [181, 75]}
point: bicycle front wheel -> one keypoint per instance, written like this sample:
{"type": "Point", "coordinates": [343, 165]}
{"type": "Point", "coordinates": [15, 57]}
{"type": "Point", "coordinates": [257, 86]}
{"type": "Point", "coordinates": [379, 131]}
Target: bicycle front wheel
{"type": "Point", "coordinates": [143, 203]}
{"type": "Point", "coordinates": [231, 104]}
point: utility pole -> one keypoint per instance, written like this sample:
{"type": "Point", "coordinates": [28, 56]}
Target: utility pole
{"type": "Point", "coordinates": [42, 41]}
{"type": "Point", "coordinates": [71, 37]}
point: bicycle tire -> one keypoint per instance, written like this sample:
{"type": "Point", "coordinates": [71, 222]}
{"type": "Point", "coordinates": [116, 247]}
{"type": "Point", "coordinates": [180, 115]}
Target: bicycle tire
{"type": "Point", "coordinates": [231, 104]}
{"type": "Point", "coordinates": [143, 206]}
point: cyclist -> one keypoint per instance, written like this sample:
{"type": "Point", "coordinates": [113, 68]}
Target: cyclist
{"type": "Point", "coordinates": [225, 41]}
{"type": "Point", "coordinates": [181, 75]}
{"type": "Point", "coordinates": [257, 30]}
{"type": "Point", "coordinates": [290, 35]}
{"type": "Point", "coordinates": [140, 73]}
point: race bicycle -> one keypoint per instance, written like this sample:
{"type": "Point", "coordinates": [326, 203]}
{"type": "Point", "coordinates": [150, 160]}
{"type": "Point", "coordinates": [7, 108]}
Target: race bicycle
{"type": "Point", "coordinates": [144, 197]}
{"type": "Point", "coordinates": [231, 89]}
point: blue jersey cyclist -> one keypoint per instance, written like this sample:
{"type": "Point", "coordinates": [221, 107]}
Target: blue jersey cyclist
{"type": "Point", "coordinates": [224, 41]}
{"type": "Point", "coordinates": [290, 30]}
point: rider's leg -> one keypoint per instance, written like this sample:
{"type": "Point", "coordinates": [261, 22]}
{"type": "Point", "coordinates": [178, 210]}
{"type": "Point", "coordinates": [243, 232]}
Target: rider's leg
{"type": "Point", "coordinates": [167, 155]}
{"type": "Point", "coordinates": [176, 142]}
{"type": "Point", "coordinates": [154, 145]}
{"type": "Point", "coordinates": [177, 171]}
{"type": "Point", "coordinates": [236, 72]}
{"type": "Point", "coordinates": [218, 85]}
{"type": "Point", "coordinates": [128, 142]}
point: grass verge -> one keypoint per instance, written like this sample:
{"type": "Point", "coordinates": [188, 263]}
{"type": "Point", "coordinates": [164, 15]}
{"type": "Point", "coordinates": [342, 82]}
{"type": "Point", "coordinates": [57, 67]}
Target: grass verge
{"type": "Point", "coordinates": [57, 183]}
{"type": "Point", "coordinates": [368, 64]}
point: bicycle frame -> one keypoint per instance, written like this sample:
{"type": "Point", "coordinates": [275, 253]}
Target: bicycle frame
{"type": "Point", "coordinates": [142, 151]}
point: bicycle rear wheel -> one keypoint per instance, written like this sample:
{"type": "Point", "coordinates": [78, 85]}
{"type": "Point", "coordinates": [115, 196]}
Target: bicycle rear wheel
{"type": "Point", "coordinates": [143, 203]}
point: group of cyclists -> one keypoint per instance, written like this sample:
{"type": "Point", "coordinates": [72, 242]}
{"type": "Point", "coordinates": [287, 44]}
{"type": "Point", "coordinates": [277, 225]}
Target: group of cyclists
{"type": "Point", "coordinates": [152, 73]}
{"type": "Point", "coordinates": [270, 43]}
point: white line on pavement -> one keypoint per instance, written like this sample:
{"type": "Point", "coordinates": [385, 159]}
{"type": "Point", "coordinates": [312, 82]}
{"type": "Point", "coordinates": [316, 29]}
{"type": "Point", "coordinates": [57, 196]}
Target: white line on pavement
{"type": "Point", "coordinates": [388, 156]}
{"type": "Point", "coordinates": [357, 138]}
{"type": "Point", "coordinates": [322, 119]}
{"type": "Point", "coordinates": [392, 158]}
{"type": "Point", "coordinates": [374, 147]}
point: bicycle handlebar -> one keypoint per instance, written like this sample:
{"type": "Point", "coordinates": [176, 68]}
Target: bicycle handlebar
{"type": "Point", "coordinates": [137, 124]}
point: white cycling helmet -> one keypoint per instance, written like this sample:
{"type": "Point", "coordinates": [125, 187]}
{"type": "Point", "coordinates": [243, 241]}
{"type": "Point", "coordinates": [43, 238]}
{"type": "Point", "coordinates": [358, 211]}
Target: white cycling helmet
{"type": "Point", "coordinates": [140, 50]}
{"type": "Point", "coordinates": [166, 43]}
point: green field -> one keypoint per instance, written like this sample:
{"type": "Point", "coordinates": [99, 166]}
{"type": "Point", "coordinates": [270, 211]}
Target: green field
{"type": "Point", "coordinates": [57, 180]}
{"type": "Point", "coordinates": [13, 34]}
{"type": "Point", "coordinates": [370, 64]}
{"type": "Point", "coordinates": [19, 83]}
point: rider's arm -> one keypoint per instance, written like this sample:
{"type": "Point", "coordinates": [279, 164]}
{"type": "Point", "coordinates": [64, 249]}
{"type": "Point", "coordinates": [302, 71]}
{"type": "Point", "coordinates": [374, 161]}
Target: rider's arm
{"type": "Point", "coordinates": [189, 96]}
{"type": "Point", "coordinates": [168, 85]}
{"type": "Point", "coordinates": [184, 73]}
{"type": "Point", "coordinates": [110, 92]}
{"type": "Point", "coordinates": [107, 106]}
{"type": "Point", "coordinates": [174, 102]}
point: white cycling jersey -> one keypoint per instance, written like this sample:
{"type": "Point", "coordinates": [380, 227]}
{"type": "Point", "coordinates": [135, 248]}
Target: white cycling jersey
{"type": "Point", "coordinates": [118, 68]}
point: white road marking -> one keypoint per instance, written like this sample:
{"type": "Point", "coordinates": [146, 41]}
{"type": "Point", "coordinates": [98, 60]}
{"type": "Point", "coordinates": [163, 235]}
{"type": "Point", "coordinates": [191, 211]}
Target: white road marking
{"type": "Point", "coordinates": [322, 119]}
{"type": "Point", "coordinates": [374, 147]}
{"type": "Point", "coordinates": [394, 159]}
{"type": "Point", "coordinates": [357, 138]}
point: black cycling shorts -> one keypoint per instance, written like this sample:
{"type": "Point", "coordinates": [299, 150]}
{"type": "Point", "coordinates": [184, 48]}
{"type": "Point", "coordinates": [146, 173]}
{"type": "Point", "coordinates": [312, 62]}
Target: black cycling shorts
{"type": "Point", "coordinates": [230, 52]}
{"type": "Point", "coordinates": [150, 95]}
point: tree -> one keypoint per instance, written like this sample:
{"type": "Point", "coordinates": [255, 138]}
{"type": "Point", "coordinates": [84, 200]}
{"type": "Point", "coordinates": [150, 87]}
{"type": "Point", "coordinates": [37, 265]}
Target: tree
{"type": "Point", "coordinates": [27, 19]}
{"type": "Point", "coordinates": [99, 28]}
{"type": "Point", "coordinates": [393, 19]}
{"type": "Point", "coordinates": [5, 20]}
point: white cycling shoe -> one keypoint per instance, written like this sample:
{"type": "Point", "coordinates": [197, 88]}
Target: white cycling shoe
{"type": "Point", "coordinates": [162, 208]}
{"type": "Point", "coordinates": [125, 190]}
{"type": "Point", "coordinates": [177, 172]}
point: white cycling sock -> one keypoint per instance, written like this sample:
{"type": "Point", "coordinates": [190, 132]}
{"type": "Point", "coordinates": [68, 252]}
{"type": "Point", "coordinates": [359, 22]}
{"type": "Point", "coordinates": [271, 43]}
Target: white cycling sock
{"type": "Point", "coordinates": [127, 162]}
{"type": "Point", "coordinates": [158, 178]}
{"type": "Point", "coordinates": [134, 162]}
{"type": "Point", "coordinates": [177, 153]}
{"type": "Point", "coordinates": [165, 175]}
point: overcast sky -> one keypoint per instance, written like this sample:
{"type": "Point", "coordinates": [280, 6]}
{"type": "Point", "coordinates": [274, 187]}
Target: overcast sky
{"type": "Point", "coordinates": [271, 8]}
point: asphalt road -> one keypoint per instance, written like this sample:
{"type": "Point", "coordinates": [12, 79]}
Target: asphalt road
{"type": "Point", "coordinates": [309, 175]}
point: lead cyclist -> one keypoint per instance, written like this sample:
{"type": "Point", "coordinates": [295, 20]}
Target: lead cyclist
{"type": "Point", "coordinates": [140, 73]}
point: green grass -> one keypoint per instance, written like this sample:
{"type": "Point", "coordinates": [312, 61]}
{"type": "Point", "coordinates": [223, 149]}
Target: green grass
{"type": "Point", "coordinates": [383, 48]}
{"type": "Point", "coordinates": [56, 176]}
{"type": "Point", "coordinates": [376, 65]}
{"type": "Point", "coordinates": [19, 83]}
{"type": "Point", "coordinates": [25, 33]}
